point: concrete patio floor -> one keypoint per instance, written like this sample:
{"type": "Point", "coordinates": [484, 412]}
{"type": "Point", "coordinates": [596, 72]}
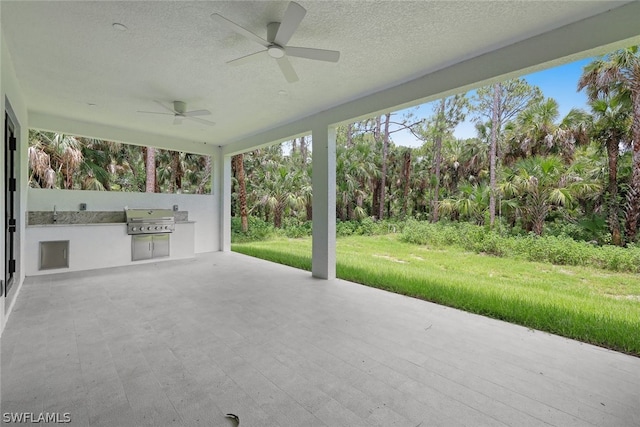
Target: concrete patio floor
{"type": "Point", "coordinates": [183, 343]}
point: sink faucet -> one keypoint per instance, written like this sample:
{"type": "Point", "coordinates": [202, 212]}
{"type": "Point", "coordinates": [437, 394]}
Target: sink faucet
{"type": "Point", "coordinates": [55, 214]}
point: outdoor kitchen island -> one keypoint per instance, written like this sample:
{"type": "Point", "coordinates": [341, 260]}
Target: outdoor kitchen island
{"type": "Point", "coordinates": [96, 244]}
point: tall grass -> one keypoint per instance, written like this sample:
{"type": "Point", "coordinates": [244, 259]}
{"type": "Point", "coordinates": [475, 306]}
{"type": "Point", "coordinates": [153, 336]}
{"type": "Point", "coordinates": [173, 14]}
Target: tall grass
{"type": "Point", "coordinates": [560, 249]}
{"type": "Point", "coordinates": [583, 303]}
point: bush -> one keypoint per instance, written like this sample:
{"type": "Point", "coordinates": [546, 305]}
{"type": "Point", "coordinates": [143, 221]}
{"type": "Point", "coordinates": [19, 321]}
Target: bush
{"type": "Point", "coordinates": [367, 227]}
{"type": "Point", "coordinates": [345, 228]}
{"type": "Point", "coordinates": [560, 249]}
{"type": "Point", "coordinates": [258, 230]}
{"type": "Point", "coordinates": [295, 229]}
{"type": "Point", "coordinates": [590, 229]}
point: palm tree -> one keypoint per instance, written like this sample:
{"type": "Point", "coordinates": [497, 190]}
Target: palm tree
{"type": "Point", "coordinates": [471, 203]}
{"type": "Point", "coordinates": [449, 112]}
{"type": "Point", "coordinates": [536, 133]}
{"type": "Point", "coordinates": [103, 160]}
{"type": "Point", "coordinates": [277, 183]}
{"type": "Point", "coordinates": [238, 163]}
{"type": "Point", "coordinates": [150, 169]}
{"type": "Point", "coordinates": [420, 175]}
{"type": "Point", "coordinates": [203, 167]}
{"type": "Point", "coordinates": [618, 73]}
{"type": "Point", "coordinates": [357, 173]}
{"type": "Point", "coordinates": [41, 174]}
{"type": "Point", "coordinates": [498, 104]}
{"type": "Point", "coordinates": [55, 159]}
{"type": "Point", "coordinates": [611, 128]}
{"type": "Point", "coordinates": [541, 184]}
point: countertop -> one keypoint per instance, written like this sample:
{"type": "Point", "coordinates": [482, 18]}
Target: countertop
{"type": "Point", "coordinates": [92, 224]}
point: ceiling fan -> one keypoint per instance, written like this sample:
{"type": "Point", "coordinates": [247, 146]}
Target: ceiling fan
{"type": "Point", "coordinates": [179, 112]}
{"type": "Point", "coordinates": [278, 35]}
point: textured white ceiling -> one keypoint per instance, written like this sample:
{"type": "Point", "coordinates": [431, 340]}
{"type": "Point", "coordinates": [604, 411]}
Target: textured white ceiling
{"type": "Point", "coordinates": [67, 55]}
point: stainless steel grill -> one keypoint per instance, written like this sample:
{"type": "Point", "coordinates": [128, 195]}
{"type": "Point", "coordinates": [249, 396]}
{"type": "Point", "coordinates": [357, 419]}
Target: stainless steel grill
{"type": "Point", "coordinates": [150, 221]}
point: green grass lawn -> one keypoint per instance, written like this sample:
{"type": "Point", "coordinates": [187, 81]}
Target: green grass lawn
{"type": "Point", "coordinates": [586, 304]}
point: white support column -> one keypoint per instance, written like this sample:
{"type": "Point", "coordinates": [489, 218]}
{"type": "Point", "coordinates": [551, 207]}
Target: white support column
{"type": "Point", "coordinates": [323, 261]}
{"type": "Point", "coordinates": [222, 189]}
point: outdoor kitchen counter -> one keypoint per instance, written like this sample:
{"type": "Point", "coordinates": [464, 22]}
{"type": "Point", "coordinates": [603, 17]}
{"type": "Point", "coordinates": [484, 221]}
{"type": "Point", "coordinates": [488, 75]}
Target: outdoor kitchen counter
{"type": "Point", "coordinates": [94, 224]}
{"type": "Point", "coordinates": [99, 245]}
{"type": "Point", "coordinates": [90, 224]}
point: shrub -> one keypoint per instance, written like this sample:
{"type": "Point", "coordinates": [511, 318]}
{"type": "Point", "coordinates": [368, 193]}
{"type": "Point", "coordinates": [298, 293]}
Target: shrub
{"type": "Point", "coordinates": [560, 249]}
{"type": "Point", "coordinates": [258, 230]}
{"type": "Point", "coordinates": [295, 229]}
{"type": "Point", "coordinates": [367, 227]}
{"type": "Point", "coordinates": [345, 228]}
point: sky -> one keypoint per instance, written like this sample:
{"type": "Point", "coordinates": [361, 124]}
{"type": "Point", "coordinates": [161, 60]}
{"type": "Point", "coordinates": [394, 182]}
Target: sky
{"type": "Point", "coordinates": [559, 83]}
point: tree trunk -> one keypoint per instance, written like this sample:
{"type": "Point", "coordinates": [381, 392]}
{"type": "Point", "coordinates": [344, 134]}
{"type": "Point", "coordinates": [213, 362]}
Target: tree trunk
{"type": "Point", "coordinates": [175, 162]}
{"type": "Point", "coordinates": [150, 168]}
{"type": "Point", "coordinates": [375, 202]}
{"type": "Point", "coordinates": [538, 224]}
{"type": "Point", "coordinates": [406, 172]}
{"type": "Point", "coordinates": [242, 191]}
{"type": "Point", "coordinates": [633, 196]}
{"type": "Point", "coordinates": [495, 127]}
{"type": "Point", "coordinates": [436, 190]}
{"type": "Point", "coordinates": [614, 222]}
{"type": "Point", "coordinates": [303, 150]}
{"type": "Point", "coordinates": [309, 209]}
{"type": "Point", "coordinates": [538, 213]}
{"type": "Point", "coordinates": [438, 160]}
{"type": "Point", "coordinates": [349, 135]}
{"type": "Point", "coordinates": [206, 177]}
{"type": "Point", "coordinates": [383, 174]}
{"type": "Point", "coordinates": [277, 215]}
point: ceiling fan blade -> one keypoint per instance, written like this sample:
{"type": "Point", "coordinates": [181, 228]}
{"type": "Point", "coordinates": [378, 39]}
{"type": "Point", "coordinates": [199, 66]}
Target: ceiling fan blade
{"type": "Point", "coordinates": [310, 53]}
{"type": "Point", "coordinates": [177, 120]}
{"type": "Point", "coordinates": [287, 69]}
{"type": "Point", "coordinates": [199, 120]}
{"type": "Point", "coordinates": [247, 58]}
{"type": "Point", "coordinates": [156, 112]}
{"type": "Point", "coordinates": [290, 22]}
{"type": "Point", "coordinates": [197, 113]}
{"type": "Point", "coordinates": [238, 29]}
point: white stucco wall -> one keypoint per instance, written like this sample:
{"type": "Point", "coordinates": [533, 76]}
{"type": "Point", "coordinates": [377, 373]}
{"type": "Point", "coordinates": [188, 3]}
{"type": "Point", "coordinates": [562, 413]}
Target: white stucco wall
{"type": "Point", "coordinates": [202, 208]}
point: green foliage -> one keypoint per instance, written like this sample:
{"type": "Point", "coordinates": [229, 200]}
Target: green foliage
{"type": "Point", "coordinates": [560, 249]}
{"type": "Point", "coordinates": [367, 227]}
{"type": "Point", "coordinates": [258, 230]}
{"type": "Point", "coordinates": [591, 229]}
{"type": "Point", "coordinates": [294, 228]}
{"type": "Point", "coordinates": [76, 163]}
{"type": "Point", "coordinates": [553, 175]}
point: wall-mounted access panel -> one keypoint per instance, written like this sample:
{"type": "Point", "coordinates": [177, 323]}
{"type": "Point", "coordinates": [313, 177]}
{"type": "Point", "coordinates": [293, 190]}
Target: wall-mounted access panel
{"type": "Point", "coordinates": [54, 254]}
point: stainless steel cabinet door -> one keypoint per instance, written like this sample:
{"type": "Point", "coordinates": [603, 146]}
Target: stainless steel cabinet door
{"type": "Point", "coordinates": [141, 247]}
{"type": "Point", "coordinates": [160, 245]}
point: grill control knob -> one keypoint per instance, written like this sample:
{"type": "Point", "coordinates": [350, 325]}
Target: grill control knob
{"type": "Point", "coordinates": [133, 228]}
{"type": "Point", "coordinates": [157, 228]}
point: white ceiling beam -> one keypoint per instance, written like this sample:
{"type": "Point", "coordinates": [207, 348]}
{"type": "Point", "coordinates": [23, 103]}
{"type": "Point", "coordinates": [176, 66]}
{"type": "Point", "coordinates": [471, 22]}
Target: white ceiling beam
{"type": "Point", "coordinates": [52, 123]}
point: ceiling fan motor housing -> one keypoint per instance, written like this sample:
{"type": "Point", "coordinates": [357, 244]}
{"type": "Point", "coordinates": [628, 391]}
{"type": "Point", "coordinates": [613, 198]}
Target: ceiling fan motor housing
{"type": "Point", "coordinates": [179, 107]}
{"type": "Point", "coordinates": [274, 50]}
